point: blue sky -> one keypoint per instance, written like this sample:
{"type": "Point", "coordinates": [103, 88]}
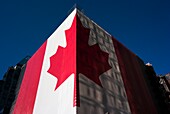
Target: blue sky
{"type": "Point", "coordinates": [141, 25]}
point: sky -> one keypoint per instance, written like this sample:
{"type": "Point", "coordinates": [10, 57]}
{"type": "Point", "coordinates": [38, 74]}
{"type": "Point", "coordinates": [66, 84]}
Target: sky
{"type": "Point", "coordinates": [143, 26]}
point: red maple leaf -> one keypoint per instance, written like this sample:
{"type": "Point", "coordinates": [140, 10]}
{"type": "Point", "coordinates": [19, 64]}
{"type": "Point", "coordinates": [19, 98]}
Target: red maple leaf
{"type": "Point", "coordinates": [91, 60]}
{"type": "Point", "coordinates": [63, 62]}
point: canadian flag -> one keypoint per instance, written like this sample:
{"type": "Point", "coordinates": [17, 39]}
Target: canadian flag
{"type": "Point", "coordinates": [82, 69]}
{"type": "Point", "coordinates": [54, 75]}
{"type": "Point", "coordinates": [48, 90]}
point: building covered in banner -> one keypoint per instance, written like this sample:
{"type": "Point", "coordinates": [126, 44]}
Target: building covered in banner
{"type": "Point", "coordinates": [82, 69]}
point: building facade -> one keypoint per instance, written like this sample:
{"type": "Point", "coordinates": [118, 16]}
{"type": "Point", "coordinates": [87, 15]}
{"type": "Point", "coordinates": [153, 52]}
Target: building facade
{"type": "Point", "coordinates": [8, 86]}
{"type": "Point", "coordinates": [82, 69]}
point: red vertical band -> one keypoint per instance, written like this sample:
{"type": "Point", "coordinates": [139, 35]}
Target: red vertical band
{"type": "Point", "coordinates": [29, 86]}
{"type": "Point", "coordinates": [139, 99]}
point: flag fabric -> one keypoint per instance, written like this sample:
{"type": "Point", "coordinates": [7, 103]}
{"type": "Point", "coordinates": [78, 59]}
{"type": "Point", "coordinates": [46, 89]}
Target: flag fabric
{"type": "Point", "coordinates": [38, 93]}
{"type": "Point", "coordinates": [101, 86]}
{"type": "Point", "coordinates": [121, 87]}
{"type": "Point", "coordinates": [79, 70]}
{"type": "Point", "coordinates": [131, 68]}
